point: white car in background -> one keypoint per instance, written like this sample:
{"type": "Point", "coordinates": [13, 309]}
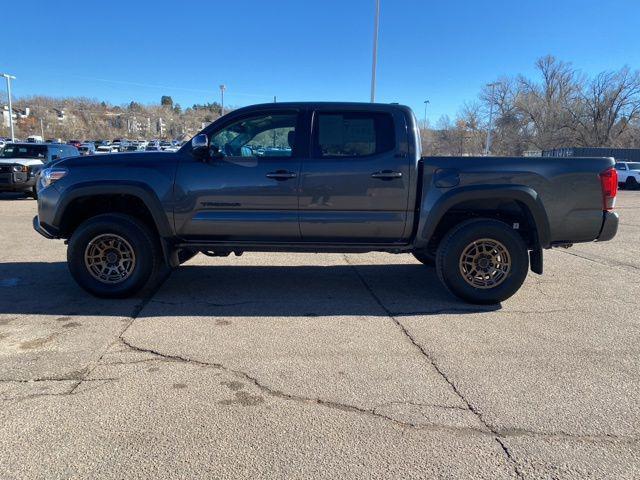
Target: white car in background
{"type": "Point", "coordinates": [628, 174]}
{"type": "Point", "coordinates": [102, 149]}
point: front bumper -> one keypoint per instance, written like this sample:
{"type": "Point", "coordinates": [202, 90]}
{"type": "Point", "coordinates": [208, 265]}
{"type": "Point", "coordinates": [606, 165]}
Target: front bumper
{"type": "Point", "coordinates": [16, 181]}
{"type": "Point", "coordinates": [46, 231]}
{"type": "Point", "coordinates": [609, 226]}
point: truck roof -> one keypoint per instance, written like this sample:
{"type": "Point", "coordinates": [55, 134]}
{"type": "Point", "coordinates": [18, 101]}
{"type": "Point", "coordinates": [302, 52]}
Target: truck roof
{"type": "Point", "coordinates": [326, 105]}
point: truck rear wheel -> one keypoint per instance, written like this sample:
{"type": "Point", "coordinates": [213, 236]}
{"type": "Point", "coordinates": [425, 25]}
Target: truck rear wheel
{"type": "Point", "coordinates": [631, 183]}
{"type": "Point", "coordinates": [113, 255]}
{"type": "Point", "coordinates": [482, 261]}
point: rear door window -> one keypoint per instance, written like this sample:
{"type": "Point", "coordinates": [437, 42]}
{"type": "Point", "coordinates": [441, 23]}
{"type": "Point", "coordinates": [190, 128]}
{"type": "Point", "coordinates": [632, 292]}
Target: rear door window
{"type": "Point", "coordinates": [353, 134]}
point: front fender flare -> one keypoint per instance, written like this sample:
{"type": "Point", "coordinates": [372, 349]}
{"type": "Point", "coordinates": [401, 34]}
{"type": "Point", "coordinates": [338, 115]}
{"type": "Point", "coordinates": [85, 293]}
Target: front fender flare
{"type": "Point", "coordinates": [140, 190]}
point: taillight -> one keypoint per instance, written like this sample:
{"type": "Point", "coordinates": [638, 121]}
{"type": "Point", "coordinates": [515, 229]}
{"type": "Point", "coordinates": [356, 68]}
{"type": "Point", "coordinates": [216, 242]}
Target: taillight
{"type": "Point", "coordinates": [609, 183]}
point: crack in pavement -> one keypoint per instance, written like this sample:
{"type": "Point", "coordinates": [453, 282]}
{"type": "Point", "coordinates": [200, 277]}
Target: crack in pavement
{"type": "Point", "coordinates": [561, 435]}
{"type": "Point", "coordinates": [614, 264]}
{"type": "Point", "coordinates": [53, 379]}
{"type": "Point", "coordinates": [437, 368]}
{"type": "Point", "coordinates": [299, 398]}
{"type": "Point", "coordinates": [159, 281]}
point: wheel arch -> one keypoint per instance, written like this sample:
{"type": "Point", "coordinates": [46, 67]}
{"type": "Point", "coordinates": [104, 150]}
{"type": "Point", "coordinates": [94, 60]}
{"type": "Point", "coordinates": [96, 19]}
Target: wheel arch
{"type": "Point", "coordinates": [84, 193]}
{"type": "Point", "coordinates": [480, 200]}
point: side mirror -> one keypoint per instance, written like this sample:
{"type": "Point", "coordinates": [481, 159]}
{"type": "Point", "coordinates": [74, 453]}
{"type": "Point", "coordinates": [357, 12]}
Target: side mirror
{"type": "Point", "coordinates": [199, 142]}
{"type": "Point", "coordinates": [200, 146]}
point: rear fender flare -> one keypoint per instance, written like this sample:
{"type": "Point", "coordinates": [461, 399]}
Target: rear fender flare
{"type": "Point", "coordinates": [433, 213]}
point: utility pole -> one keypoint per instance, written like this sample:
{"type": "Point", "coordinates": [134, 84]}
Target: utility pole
{"type": "Point", "coordinates": [424, 125]}
{"type": "Point", "coordinates": [42, 128]}
{"type": "Point", "coordinates": [222, 89]}
{"type": "Point", "coordinates": [487, 147]}
{"type": "Point", "coordinates": [375, 51]}
{"type": "Point", "coordinates": [9, 78]}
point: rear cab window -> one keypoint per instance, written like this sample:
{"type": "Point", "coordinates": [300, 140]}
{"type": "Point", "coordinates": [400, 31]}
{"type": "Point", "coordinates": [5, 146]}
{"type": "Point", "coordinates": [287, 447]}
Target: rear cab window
{"type": "Point", "coordinates": [352, 134]}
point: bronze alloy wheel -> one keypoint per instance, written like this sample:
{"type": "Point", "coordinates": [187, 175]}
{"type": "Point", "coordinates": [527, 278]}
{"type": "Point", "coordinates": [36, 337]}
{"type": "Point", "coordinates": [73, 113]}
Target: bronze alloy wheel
{"type": "Point", "coordinates": [109, 258]}
{"type": "Point", "coordinates": [485, 263]}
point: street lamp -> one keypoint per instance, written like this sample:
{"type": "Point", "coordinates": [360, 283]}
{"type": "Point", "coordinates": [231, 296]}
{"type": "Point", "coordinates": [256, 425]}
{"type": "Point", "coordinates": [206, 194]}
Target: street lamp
{"type": "Point", "coordinates": [375, 51]}
{"type": "Point", "coordinates": [222, 89]}
{"type": "Point", "coordinates": [487, 146]}
{"type": "Point", "coordinates": [426, 102]}
{"type": "Point", "coordinates": [9, 78]}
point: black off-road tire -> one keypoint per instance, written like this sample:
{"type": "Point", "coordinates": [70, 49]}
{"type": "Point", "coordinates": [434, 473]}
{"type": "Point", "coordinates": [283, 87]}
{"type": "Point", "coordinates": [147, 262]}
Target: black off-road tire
{"type": "Point", "coordinates": [143, 242]}
{"type": "Point", "coordinates": [459, 238]}
{"type": "Point", "coordinates": [424, 258]}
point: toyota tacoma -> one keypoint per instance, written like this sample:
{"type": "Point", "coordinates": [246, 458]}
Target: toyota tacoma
{"type": "Point", "coordinates": [322, 177]}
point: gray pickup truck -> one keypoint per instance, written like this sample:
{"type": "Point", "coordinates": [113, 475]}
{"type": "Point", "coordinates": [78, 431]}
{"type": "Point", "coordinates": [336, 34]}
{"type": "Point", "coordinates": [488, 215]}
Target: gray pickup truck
{"type": "Point", "coordinates": [322, 177]}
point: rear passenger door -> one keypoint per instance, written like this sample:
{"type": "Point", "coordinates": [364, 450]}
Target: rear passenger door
{"type": "Point", "coordinates": [354, 185]}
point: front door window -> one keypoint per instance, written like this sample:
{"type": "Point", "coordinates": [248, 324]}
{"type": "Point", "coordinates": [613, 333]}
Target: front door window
{"type": "Point", "coordinates": [271, 135]}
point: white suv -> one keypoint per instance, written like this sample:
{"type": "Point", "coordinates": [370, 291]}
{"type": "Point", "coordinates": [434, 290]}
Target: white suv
{"type": "Point", "coordinates": [628, 174]}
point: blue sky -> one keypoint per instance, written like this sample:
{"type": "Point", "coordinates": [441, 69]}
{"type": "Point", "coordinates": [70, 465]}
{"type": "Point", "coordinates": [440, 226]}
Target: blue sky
{"type": "Point", "coordinates": [443, 51]}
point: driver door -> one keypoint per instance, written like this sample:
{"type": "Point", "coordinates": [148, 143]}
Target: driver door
{"type": "Point", "coordinates": [247, 188]}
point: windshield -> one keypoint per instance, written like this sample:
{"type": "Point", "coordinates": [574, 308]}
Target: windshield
{"type": "Point", "coordinates": [634, 166]}
{"type": "Point", "coordinates": [24, 151]}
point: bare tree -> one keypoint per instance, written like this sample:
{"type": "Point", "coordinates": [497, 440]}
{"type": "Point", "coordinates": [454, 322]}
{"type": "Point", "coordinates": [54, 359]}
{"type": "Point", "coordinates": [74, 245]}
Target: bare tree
{"type": "Point", "coordinates": [605, 107]}
{"type": "Point", "coordinates": [545, 107]}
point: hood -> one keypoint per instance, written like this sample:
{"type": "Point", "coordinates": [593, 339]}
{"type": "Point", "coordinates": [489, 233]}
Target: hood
{"type": "Point", "coordinates": [21, 161]}
{"type": "Point", "coordinates": [125, 158]}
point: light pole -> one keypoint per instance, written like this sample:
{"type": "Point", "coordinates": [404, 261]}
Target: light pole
{"type": "Point", "coordinates": [375, 51]}
{"type": "Point", "coordinates": [424, 126]}
{"type": "Point", "coordinates": [9, 78]}
{"type": "Point", "coordinates": [222, 89]}
{"type": "Point", "coordinates": [487, 146]}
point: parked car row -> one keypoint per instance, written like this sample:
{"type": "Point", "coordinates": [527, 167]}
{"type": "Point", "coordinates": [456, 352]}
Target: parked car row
{"type": "Point", "coordinates": [21, 164]}
{"type": "Point", "coordinates": [123, 145]}
{"type": "Point", "coordinates": [90, 147]}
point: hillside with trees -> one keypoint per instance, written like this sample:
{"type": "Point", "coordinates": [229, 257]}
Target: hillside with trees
{"type": "Point", "coordinates": [83, 118]}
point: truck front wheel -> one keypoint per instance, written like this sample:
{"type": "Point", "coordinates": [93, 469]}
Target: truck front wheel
{"type": "Point", "coordinates": [482, 261]}
{"type": "Point", "coordinates": [113, 255]}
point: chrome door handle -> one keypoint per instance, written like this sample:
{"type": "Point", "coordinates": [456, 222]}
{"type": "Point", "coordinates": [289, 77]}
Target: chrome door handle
{"type": "Point", "coordinates": [281, 175]}
{"type": "Point", "coordinates": [386, 175]}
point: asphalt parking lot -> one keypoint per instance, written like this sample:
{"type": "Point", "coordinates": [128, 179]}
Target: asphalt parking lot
{"type": "Point", "coordinates": [319, 366]}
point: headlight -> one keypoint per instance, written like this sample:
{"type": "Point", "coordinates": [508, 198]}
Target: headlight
{"type": "Point", "coordinates": [20, 168]}
{"type": "Point", "coordinates": [51, 175]}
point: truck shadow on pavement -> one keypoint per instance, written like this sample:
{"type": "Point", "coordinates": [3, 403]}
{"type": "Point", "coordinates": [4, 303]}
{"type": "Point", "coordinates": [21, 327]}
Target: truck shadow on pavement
{"type": "Point", "coordinates": [242, 290]}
